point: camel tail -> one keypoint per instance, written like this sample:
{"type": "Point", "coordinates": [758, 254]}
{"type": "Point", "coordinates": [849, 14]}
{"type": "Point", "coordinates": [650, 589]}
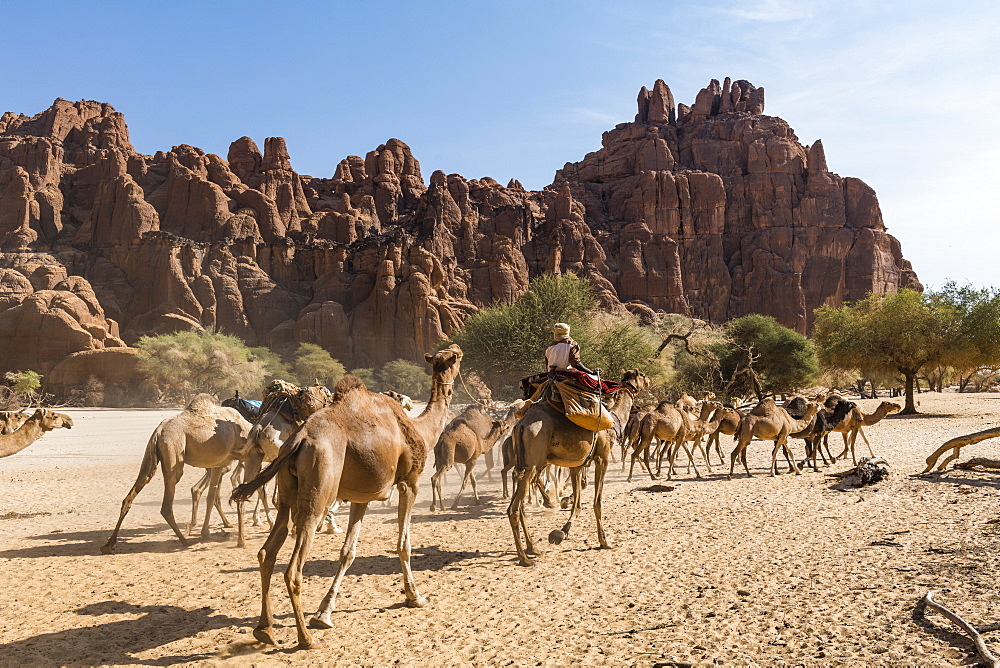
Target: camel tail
{"type": "Point", "coordinates": [248, 489]}
{"type": "Point", "coordinates": [440, 454]}
{"type": "Point", "coordinates": [151, 457]}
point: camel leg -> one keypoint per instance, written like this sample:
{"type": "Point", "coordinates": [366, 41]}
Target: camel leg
{"type": "Point", "coordinates": [738, 452]}
{"type": "Point", "coordinates": [488, 461]}
{"type": "Point", "coordinates": [515, 511]}
{"type": "Point", "coordinates": [197, 490]}
{"type": "Point", "coordinates": [330, 519]}
{"type": "Point", "coordinates": [503, 475]}
{"type": "Point", "coordinates": [678, 445]}
{"type": "Point", "coordinates": [266, 557]}
{"type": "Point", "coordinates": [307, 516]}
{"type": "Point", "coordinates": [437, 496]}
{"type": "Point", "coordinates": [322, 620]}
{"type": "Point", "coordinates": [251, 467]}
{"type": "Point", "coordinates": [171, 476]}
{"type": "Point", "coordinates": [407, 497]}
{"type": "Point", "coordinates": [559, 535]}
{"type": "Point", "coordinates": [465, 480]}
{"type": "Point", "coordinates": [213, 499]}
{"type": "Point", "coordinates": [146, 472]}
{"type": "Point", "coordinates": [704, 453]}
{"type": "Point", "coordinates": [600, 471]}
{"type": "Point", "coordinates": [475, 492]}
{"type": "Point", "coordinates": [862, 432]}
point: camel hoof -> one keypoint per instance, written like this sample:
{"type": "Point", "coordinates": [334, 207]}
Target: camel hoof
{"type": "Point", "coordinates": [107, 548]}
{"type": "Point", "coordinates": [417, 602]}
{"type": "Point", "coordinates": [528, 563]}
{"type": "Point", "coordinates": [309, 643]}
{"type": "Point", "coordinates": [556, 537]}
{"type": "Point", "coordinates": [264, 635]}
{"type": "Point", "coordinates": [241, 543]}
{"type": "Point", "coordinates": [607, 545]}
{"type": "Point", "coordinates": [320, 622]}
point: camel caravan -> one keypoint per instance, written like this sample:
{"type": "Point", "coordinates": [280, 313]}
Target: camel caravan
{"type": "Point", "coordinates": [347, 444]}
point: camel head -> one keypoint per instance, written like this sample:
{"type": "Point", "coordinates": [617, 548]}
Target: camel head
{"type": "Point", "coordinates": [50, 420]}
{"type": "Point", "coordinates": [635, 379]}
{"type": "Point", "coordinates": [11, 421]}
{"type": "Point", "coordinates": [310, 399]}
{"type": "Point", "coordinates": [445, 363]}
{"type": "Point", "coordinates": [889, 407]}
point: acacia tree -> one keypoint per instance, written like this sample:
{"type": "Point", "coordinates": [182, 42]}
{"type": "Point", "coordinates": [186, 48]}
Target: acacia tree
{"type": "Point", "coordinates": [313, 364]}
{"type": "Point", "coordinates": [753, 354]}
{"type": "Point", "coordinates": [189, 362]}
{"type": "Point", "coordinates": [899, 332]}
{"type": "Point", "coordinates": [506, 341]}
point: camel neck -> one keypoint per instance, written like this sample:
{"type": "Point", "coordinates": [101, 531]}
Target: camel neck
{"type": "Point", "coordinates": [28, 433]}
{"type": "Point", "coordinates": [431, 421]}
{"type": "Point", "coordinates": [623, 404]}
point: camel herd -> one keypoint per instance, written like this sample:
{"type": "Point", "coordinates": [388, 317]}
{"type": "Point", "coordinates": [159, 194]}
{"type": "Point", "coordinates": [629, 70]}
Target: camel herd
{"type": "Point", "coordinates": [357, 446]}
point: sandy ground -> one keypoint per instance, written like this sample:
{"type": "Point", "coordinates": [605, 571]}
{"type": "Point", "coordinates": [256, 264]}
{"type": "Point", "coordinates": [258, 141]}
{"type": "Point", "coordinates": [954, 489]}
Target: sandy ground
{"type": "Point", "coordinates": [793, 570]}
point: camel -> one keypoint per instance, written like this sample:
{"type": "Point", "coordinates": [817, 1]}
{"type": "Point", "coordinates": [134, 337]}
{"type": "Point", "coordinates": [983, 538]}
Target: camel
{"type": "Point", "coordinates": [825, 421]}
{"type": "Point", "coordinates": [31, 429]}
{"type": "Point", "coordinates": [671, 426]}
{"type": "Point", "coordinates": [544, 436]}
{"type": "Point", "coordinates": [466, 437]}
{"type": "Point", "coordinates": [850, 427]}
{"type": "Point", "coordinates": [11, 421]}
{"type": "Point", "coordinates": [546, 488]}
{"type": "Point", "coordinates": [706, 422]}
{"type": "Point", "coordinates": [403, 400]}
{"type": "Point", "coordinates": [203, 435]}
{"type": "Point", "coordinates": [356, 449]}
{"type": "Point", "coordinates": [630, 435]}
{"type": "Point", "coordinates": [728, 425]}
{"type": "Point", "coordinates": [769, 422]}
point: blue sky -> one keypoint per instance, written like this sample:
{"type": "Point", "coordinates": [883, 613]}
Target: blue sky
{"type": "Point", "coordinates": [904, 95]}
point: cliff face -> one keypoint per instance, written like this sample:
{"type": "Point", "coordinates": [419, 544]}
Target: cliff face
{"type": "Point", "coordinates": [713, 210]}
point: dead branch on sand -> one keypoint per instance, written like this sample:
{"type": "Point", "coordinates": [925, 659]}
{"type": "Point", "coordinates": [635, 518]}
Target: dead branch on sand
{"type": "Point", "coordinates": [972, 631]}
{"type": "Point", "coordinates": [979, 461]}
{"type": "Point", "coordinates": [957, 444]}
{"type": "Point", "coordinates": [870, 470]}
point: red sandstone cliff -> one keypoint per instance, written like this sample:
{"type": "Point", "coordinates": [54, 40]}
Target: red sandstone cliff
{"type": "Point", "coordinates": [714, 210]}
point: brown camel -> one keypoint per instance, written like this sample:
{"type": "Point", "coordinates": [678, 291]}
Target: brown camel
{"type": "Point", "coordinates": [31, 429]}
{"type": "Point", "coordinates": [630, 435]}
{"type": "Point", "coordinates": [468, 436]}
{"type": "Point", "coordinates": [204, 435]}
{"type": "Point", "coordinates": [852, 425]}
{"type": "Point", "coordinates": [356, 449]}
{"type": "Point", "coordinates": [706, 422]}
{"type": "Point", "coordinates": [11, 421]}
{"type": "Point", "coordinates": [544, 436]}
{"type": "Point", "coordinates": [728, 425]}
{"type": "Point", "coordinates": [770, 422]}
{"type": "Point", "coordinates": [670, 426]}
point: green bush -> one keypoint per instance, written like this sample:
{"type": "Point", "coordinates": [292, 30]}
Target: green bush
{"type": "Point", "coordinates": [185, 363]}
{"type": "Point", "coordinates": [406, 378]}
{"type": "Point", "coordinates": [314, 364]}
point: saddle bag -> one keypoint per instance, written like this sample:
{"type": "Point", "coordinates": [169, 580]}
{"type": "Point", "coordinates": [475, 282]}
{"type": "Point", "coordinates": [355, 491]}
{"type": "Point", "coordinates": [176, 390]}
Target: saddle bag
{"type": "Point", "coordinates": [583, 408]}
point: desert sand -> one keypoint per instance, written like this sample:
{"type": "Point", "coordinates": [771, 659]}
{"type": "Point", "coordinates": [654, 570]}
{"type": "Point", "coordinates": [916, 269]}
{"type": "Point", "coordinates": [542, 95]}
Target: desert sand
{"type": "Point", "coordinates": [792, 570]}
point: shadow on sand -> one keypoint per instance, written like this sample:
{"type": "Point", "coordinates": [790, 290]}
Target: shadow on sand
{"type": "Point", "coordinates": [117, 643]}
{"type": "Point", "coordinates": [80, 543]}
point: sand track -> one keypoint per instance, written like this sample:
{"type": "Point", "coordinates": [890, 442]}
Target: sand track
{"type": "Point", "coordinates": [761, 571]}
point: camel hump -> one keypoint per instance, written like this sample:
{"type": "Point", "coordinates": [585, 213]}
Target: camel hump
{"type": "Point", "coordinates": [347, 384]}
{"type": "Point", "coordinates": [202, 404]}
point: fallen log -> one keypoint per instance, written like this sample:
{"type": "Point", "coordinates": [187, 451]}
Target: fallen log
{"type": "Point", "coordinates": [979, 461]}
{"type": "Point", "coordinates": [988, 657]}
{"type": "Point", "coordinates": [957, 444]}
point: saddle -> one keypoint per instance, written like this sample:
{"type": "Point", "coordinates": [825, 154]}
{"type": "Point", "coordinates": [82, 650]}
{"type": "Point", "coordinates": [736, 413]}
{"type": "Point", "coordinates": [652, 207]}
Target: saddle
{"type": "Point", "coordinates": [576, 395]}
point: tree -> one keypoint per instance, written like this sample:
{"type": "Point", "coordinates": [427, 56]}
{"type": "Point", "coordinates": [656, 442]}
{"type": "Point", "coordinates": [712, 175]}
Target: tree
{"type": "Point", "coordinates": [505, 341]}
{"type": "Point", "coordinates": [274, 366]}
{"type": "Point", "coordinates": [976, 341]}
{"type": "Point", "coordinates": [894, 332]}
{"type": "Point", "coordinates": [190, 362]}
{"type": "Point", "coordinates": [314, 364]}
{"type": "Point", "coordinates": [618, 343]}
{"type": "Point", "coordinates": [406, 378]}
{"type": "Point", "coordinates": [754, 354]}
{"type": "Point", "coordinates": [367, 377]}
{"type": "Point", "coordinates": [20, 388]}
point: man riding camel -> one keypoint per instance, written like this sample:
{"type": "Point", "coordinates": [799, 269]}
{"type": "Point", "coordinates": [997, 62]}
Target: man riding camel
{"type": "Point", "coordinates": [564, 353]}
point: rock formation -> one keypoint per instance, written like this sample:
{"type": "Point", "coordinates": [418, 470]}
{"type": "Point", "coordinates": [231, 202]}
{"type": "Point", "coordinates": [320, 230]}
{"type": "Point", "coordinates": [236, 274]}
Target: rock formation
{"type": "Point", "coordinates": [714, 210]}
